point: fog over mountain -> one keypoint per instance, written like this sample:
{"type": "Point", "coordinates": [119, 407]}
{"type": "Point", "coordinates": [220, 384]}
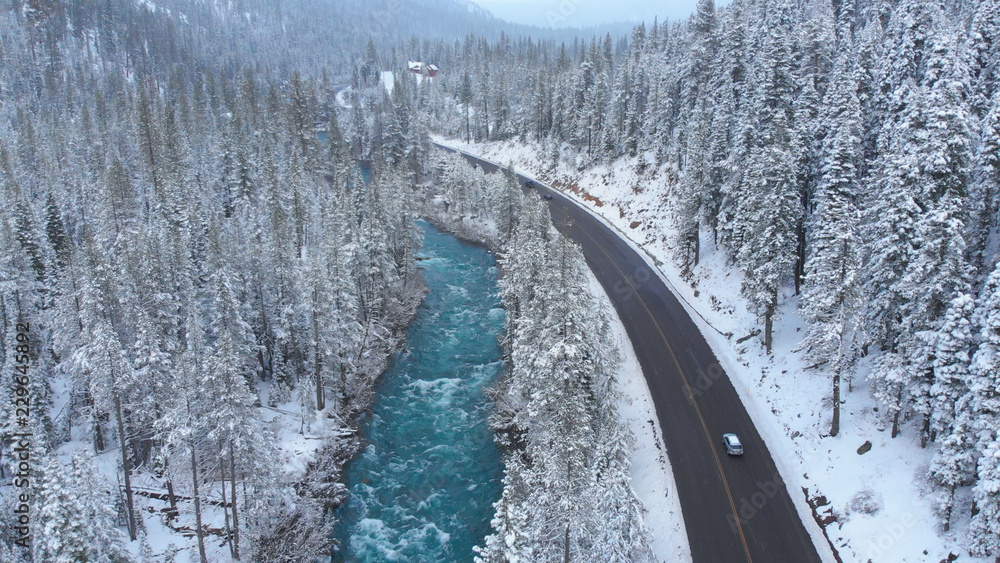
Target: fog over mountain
{"type": "Point", "coordinates": [584, 13]}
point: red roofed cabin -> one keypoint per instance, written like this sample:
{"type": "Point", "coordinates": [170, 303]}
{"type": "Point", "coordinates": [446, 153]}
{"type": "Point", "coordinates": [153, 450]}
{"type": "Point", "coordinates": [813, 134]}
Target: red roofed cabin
{"type": "Point", "coordinates": [423, 69]}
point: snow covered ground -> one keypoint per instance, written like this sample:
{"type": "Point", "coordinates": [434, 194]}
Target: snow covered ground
{"type": "Point", "coordinates": [298, 440]}
{"type": "Point", "coordinates": [344, 93]}
{"type": "Point", "coordinates": [652, 477]}
{"type": "Point", "coordinates": [388, 80]}
{"type": "Point", "coordinates": [878, 505]}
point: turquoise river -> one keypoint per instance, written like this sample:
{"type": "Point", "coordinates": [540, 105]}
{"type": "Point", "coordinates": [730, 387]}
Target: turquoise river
{"type": "Point", "coordinates": [423, 490]}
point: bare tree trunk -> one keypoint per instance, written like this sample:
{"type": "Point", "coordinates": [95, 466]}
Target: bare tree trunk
{"type": "Point", "coordinates": [895, 417]}
{"type": "Point", "coordinates": [318, 358]}
{"type": "Point", "coordinates": [299, 220]}
{"type": "Point", "coordinates": [294, 355]}
{"type": "Point", "coordinates": [569, 469]}
{"type": "Point", "coordinates": [126, 469]}
{"type": "Point", "coordinates": [236, 519]}
{"type": "Point", "coordinates": [697, 243]}
{"type": "Point", "coordinates": [3, 314]}
{"type": "Point", "coordinates": [835, 425]}
{"type": "Point", "coordinates": [947, 511]}
{"type": "Point", "coordinates": [590, 135]}
{"type": "Point", "coordinates": [768, 327]}
{"type": "Point", "coordinates": [800, 258]}
{"type": "Point", "coordinates": [197, 501]}
{"type": "Point", "coordinates": [566, 545]}
{"type": "Point", "coordinates": [170, 491]}
{"type": "Point", "coordinates": [99, 445]}
{"type": "Point", "coordinates": [925, 430]}
{"type": "Point", "coordinates": [225, 510]}
{"type": "Point", "coordinates": [76, 303]}
{"type": "Point", "coordinates": [266, 363]}
{"type": "Point", "coordinates": [342, 407]}
{"type": "Point", "coordinates": [486, 118]}
{"type": "Point", "coordinates": [146, 131]}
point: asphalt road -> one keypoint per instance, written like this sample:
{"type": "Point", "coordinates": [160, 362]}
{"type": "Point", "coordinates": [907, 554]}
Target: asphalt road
{"type": "Point", "coordinates": [735, 508]}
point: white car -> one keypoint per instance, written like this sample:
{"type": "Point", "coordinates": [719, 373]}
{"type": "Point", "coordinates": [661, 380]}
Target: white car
{"type": "Point", "coordinates": [733, 444]}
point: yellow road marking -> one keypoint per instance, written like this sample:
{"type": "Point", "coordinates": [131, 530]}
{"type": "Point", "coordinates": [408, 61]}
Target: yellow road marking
{"type": "Point", "coordinates": [687, 385]}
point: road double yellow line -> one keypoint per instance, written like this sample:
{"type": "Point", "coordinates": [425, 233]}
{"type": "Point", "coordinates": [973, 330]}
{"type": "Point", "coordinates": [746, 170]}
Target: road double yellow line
{"type": "Point", "coordinates": [687, 384]}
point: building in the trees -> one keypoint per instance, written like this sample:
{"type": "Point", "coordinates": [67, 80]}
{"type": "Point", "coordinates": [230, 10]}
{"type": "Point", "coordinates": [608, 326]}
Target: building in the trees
{"type": "Point", "coordinates": [422, 69]}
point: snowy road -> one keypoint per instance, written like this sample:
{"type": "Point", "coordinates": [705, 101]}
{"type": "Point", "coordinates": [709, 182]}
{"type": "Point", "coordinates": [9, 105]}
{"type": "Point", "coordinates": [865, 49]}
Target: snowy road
{"type": "Point", "coordinates": [735, 508]}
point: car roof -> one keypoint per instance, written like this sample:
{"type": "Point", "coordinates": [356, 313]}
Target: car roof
{"type": "Point", "coordinates": [733, 438]}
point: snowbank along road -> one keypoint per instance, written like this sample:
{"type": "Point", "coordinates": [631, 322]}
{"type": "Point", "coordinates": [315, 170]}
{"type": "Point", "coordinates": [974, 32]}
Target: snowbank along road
{"type": "Point", "coordinates": [735, 508]}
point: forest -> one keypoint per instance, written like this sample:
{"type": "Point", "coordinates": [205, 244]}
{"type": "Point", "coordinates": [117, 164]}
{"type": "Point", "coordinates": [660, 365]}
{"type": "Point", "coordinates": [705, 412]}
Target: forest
{"type": "Point", "coordinates": [847, 149]}
{"type": "Point", "coordinates": [191, 245]}
{"type": "Point", "coordinates": [182, 253]}
{"type": "Point", "coordinates": [181, 249]}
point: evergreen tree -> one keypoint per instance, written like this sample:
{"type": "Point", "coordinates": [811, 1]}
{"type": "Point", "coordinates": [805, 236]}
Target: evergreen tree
{"type": "Point", "coordinates": [938, 267]}
{"type": "Point", "coordinates": [984, 54]}
{"type": "Point", "coordinates": [760, 231]}
{"type": "Point", "coordinates": [55, 229]}
{"type": "Point", "coordinates": [763, 226]}
{"type": "Point", "coordinates": [393, 140]}
{"type": "Point", "coordinates": [831, 300]}
{"type": "Point", "coordinates": [951, 416]}
{"type": "Point", "coordinates": [76, 516]}
{"type": "Point", "coordinates": [985, 526]}
{"type": "Point", "coordinates": [984, 193]}
{"type": "Point", "coordinates": [890, 221]}
{"type": "Point", "coordinates": [232, 422]}
{"type": "Point", "coordinates": [465, 97]}
{"type": "Point", "coordinates": [690, 194]}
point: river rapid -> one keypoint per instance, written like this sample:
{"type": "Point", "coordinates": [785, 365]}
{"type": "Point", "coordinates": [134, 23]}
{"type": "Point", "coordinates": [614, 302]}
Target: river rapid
{"type": "Point", "coordinates": [423, 489]}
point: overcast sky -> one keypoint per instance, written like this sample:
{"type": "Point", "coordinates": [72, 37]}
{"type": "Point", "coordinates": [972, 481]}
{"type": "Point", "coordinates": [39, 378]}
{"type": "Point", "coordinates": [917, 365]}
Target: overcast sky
{"type": "Point", "coordinates": [583, 13]}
